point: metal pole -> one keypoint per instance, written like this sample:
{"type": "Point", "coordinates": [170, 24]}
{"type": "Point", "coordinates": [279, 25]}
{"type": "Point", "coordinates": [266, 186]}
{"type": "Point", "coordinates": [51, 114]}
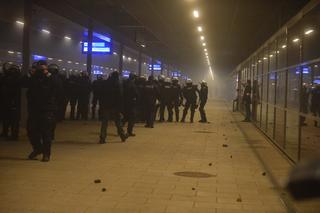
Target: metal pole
{"type": "Point", "coordinates": [152, 66]}
{"type": "Point", "coordinates": [121, 59]}
{"type": "Point", "coordinates": [140, 62]}
{"type": "Point", "coordinates": [26, 36]}
{"type": "Point", "coordinates": [89, 53]}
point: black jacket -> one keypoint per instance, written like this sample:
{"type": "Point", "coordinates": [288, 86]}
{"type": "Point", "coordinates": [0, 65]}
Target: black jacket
{"type": "Point", "coordinates": [43, 94]}
{"type": "Point", "coordinates": [112, 95]}
{"type": "Point", "coordinates": [203, 94]}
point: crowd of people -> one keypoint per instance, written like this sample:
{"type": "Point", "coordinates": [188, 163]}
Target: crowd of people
{"type": "Point", "coordinates": [125, 101]}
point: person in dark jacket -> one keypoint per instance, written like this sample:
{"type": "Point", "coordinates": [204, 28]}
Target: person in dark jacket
{"type": "Point", "coordinates": [150, 97]}
{"type": "Point", "coordinates": [96, 90]}
{"type": "Point", "coordinates": [177, 97]}
{"type": "Point", "coordinates": [111, 106]}
{"type": "Point", "coordinates": [42, 95]}
{"type": "Point", "coordinates": [83, 96]}
{"type": "Point", "coordinates": [11, 95]}
{"type": "Point", "coordinates": [203, 97]}
{"type": "Point", "coordinates": [247, 100]}
{"type": "Point", "coordinates": [315, 103]}
{"type": "Point", "coordinates": [190, 94]}
{"type": "Point", "coordinates": [130, 102]}
{"type": "Point", "coordinates": [166, 97]}
{"type": "Point", "coordinates": [72, 93]}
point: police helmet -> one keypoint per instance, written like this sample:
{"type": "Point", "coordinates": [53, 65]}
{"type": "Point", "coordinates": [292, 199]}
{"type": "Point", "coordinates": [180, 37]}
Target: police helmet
{"type": "Point", "coordinates": [53, 68]}
{"type": "Point", "coordinates": [161, 78]}
{"type": "Point", "coordinates": [167, 80]}
{"type": "Point", "coordinates": [189, 81]}
{"type": "Point", "coordinates": [203, 83]}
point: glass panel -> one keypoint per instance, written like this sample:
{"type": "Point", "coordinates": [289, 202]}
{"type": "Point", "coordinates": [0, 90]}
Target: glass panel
{"type": "Point", "coordinates": [293, 88]}
{"type": "Point", "coordinates": [264, 117]}
{"type": "Point", "coordinates": [282, 51]}
{"type": "Point", "coordinates": [279, 128]}
{"type": "Point", "coordinates": [270, 127]}
{"type": "Point", "coordinates": [281, 88]}
{"type": "Point", "coordinates": [311, 44]}
{"type": "Point", "coordinates": [292, 135]}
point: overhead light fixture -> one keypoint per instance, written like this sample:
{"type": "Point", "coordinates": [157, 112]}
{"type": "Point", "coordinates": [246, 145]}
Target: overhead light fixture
{"type": "Point", "coordinates": [204, 44]}
{"type": "Point", "coordinates": [296, 40]}
{"type": "Point", "coordinates": [59, 60]}
{"type": "Point", "coordinates": [67, 37]}
{"type": "Point", "coordinates": [205, 50]}
{"type": "Point", "coordinates": [84, 64]}
{"type": "Point", "coordinates": [271, 56]}
{"type": "Point", "coordinates": [10, 52]}
{"type": "Point", "coordinates": [69, 62]}
{"type": "Point", "coordinates": [114, 53]}
{"type": "Point", "coordinates": [284, 46]}
{"type": "Point", "coordinates": [308, 31]}
{"type": "Point", "coordinates": [45, 31]}
{"type": "Point", "coordinates": [19, 22]}
{"type": "Point", "coordinates": [265, 58]}
{"type": "Point", "coordinates": [196, 13]}
{"type": "Point", "coordinates": [199, 28]}
{"type": "Point", "coordinates": [202, 38]}
{"type": "Point", "coordinates": [50, 59]}
{"type": "Point", "coordinates": [143, 45]}
{"type": "Point", "coordinates": [77, 63]}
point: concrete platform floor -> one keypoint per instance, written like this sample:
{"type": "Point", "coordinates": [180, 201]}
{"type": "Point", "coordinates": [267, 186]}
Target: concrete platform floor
{"type": "Point", "coordinates": [247, 175]}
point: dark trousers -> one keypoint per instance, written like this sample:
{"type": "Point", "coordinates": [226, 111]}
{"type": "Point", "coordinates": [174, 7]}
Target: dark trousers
{"type": "Point", "coordinates": [150, 114]}
{"type": "Point", "coordinates": [73, 104]}
{"type": "Point", "coordinates": [106, 115]}
{"type": "Point", "coordinates": [169, 107]}
{"type": "Point", "coordinates": [176, 111]}
{"type": "Point", "coordinates": [40, 129]}
{"type": "Point", "coordinates": [189, 105]}
{"type": "Point", "coordinates": [248, 111]}
{"type": "Point", "coordinates": [202, 111]}
{"type": "Point", "coordinates": [95, 102]}
{"type": "Point", "coordinates": [130, 117]}
{"type": "Point", "coordinates": [11, 121]}
{"type": "Point", "coordinates": [83, 107]}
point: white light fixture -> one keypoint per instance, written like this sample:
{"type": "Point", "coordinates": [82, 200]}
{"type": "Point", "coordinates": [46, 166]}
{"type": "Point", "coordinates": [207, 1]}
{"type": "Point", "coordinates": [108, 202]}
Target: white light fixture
{"type": "Point", "coordinates": [114, 53]}
{"type": "Point", "coordinates": [284, 46]}
{"type": "Point", "coordinates": [271, 56]}
{"type": "Point", "coordinates": [69, 62]}
{"type": "Point", "coordinates": [50, 59]}
{"type": "Point", "coordinates": [205, 50]}
{"type": "Point", "coordinates": [196, 13]}
{"type": "Point", "coordinates": [278, 51]}
{"type": "Point", "coordinates": [265, 58]}
{"type": "Point", "coordinates": [45, 31]}
{"type": "Point", "coordinates": [19, 22]}
{"type": "Point", "coordinates": [77, 63]}
{"type": "Point", "coordinates": [296, 40]}
{"type": "Point", "coordinates": [129, 58]}
{"type": "Point", "coordinates": [67, 37]}
{"type": "Point", "coordinates": [10, 52]}
{"type": "Point", "coordinates": [200, 29]}
{"type": "Point", "coordinates": [204, 44]}
{"type": "Point", "coordinates": [309, 31]}
{"type": "Point", "coordinates": [143, 45]}
{"type": "Point", "coordinates": [84, 64]}
{"type": "Point", "coordinates": [202, 38]}
{"type": "Point", "coordinates": [59, 60]}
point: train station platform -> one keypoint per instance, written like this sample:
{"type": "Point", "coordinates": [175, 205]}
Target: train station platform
{"type": "Point", "coordinates": [223, 166]}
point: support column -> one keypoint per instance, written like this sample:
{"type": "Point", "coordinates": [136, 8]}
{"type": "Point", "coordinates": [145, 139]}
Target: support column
{"type": "Point", "coordinates": [121, 59]}
{"type": "Point", "coordinates": [161, 66]}
{"type": "Point", "coordinates": [140, 63]}
{"type": "Point", "coordinates": [89, 53]}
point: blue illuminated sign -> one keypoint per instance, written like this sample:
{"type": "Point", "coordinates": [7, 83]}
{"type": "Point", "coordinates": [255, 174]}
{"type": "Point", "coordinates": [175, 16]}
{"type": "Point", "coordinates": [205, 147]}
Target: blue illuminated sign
{"type": "Point", "coordinates": [97, 47]}
{"type": "Point", "coordinates": [156, 67]}
{"type": "Point", "coordinates": [125, 73]}
{"type": "Point", "coordinates": [176, 74]}
{"type": "Point", "coordinates": [39, 57]}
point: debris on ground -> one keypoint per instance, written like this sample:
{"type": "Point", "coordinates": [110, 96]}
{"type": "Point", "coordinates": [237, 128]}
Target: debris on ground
{"type": "Point", "coordinates": [103, 189]}
{"type": "Point", "coordinates": [239, 199]}
{"type": "Point", "coordinates": [210, 164]}
{"type": "Point", "coordinates": [97, 181]}
{"type": "Point", "coordinates": [193, 189]}
{"type": "Point", "coordinates": [264, 173]}
{"type": "Point", "coordinates": [230, 156]}
{"type": "Point", "coordinates": [225, 145]}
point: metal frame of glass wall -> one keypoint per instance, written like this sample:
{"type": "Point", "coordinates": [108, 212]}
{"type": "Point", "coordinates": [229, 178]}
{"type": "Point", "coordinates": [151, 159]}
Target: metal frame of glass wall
{"type": "Point", "coordinates": [285, 80]}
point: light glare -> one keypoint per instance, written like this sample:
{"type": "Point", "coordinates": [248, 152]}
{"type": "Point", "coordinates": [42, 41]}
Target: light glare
{"type": "Point", "coordinates": [196, 14]}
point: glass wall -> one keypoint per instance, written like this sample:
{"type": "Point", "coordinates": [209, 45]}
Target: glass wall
{"type": "Point", "coordinates": [285, 78]}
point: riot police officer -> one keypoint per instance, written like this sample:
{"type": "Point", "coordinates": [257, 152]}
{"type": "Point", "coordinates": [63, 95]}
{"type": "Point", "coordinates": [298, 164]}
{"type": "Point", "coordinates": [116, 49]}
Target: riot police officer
{"type": "Point", "coordinates": [203, 97]}
{"type": "Point", "coordinates": [130, 102]}
{"type": "Point", "coordinates": [42, 95]}
{"type": "Point", "coordinates": [141, 107]}
{"type": "Point", "coordinates": [247, 100]}
{"type": "Point", "coordinates": [96, 90]}
{"type": "Point", "coordinates": [166, 100]}
{"type": "Point", "coordinates": [11, 94]}
{"type": "Point", "coordinates": [190, 94]}
{"type": "Point", "coordinates": [111, 106]}
{"type": "Point", "coordinates": [161, 105]}
{"type": "Point", "coordinates": [62, 100]}
{"type": "Point", "coordinates": [177, 96]}
{"type": "Point", "coordinates": [83, 96]}
{"type": "Point", "coordinates": [150, 98]}
{"type": "Point", "coordinates": [72, 93]}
